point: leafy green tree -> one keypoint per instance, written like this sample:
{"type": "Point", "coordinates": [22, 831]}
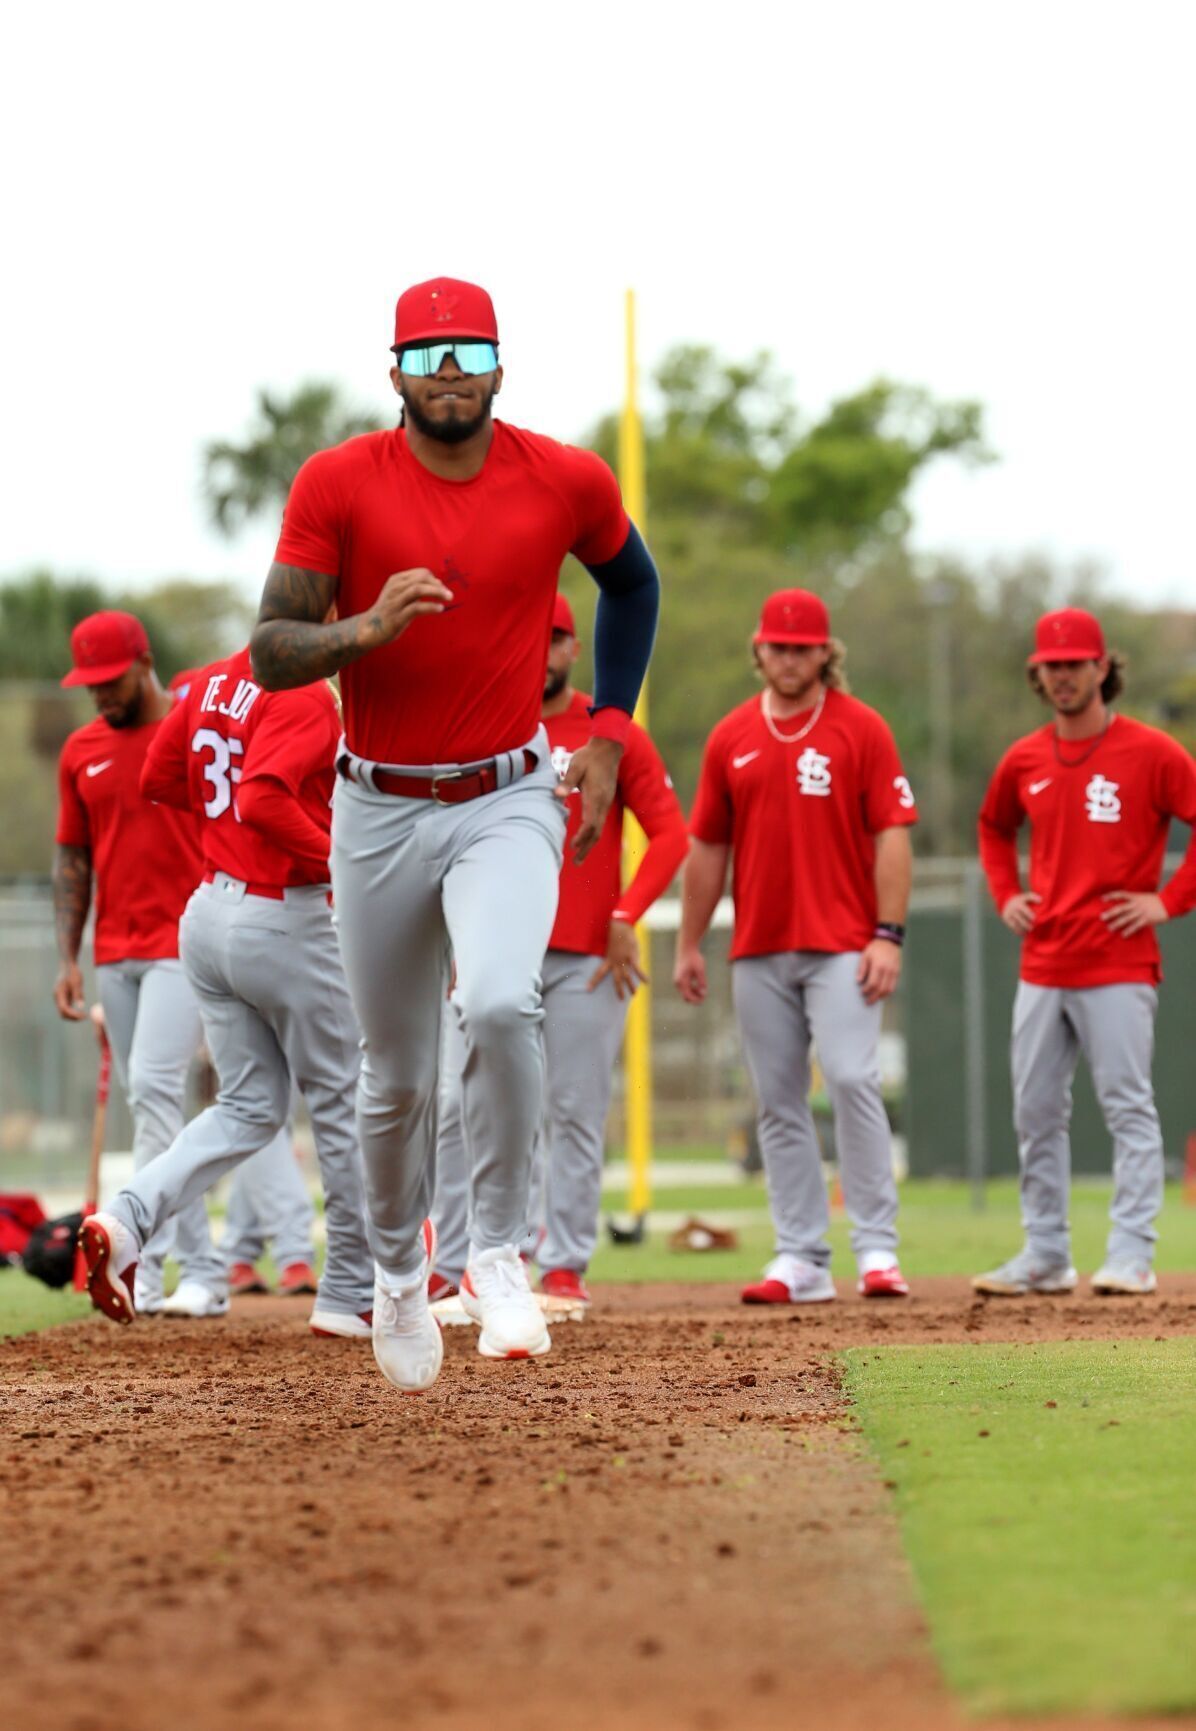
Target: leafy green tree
{"type": "Point", "coordinates": [243, 480]}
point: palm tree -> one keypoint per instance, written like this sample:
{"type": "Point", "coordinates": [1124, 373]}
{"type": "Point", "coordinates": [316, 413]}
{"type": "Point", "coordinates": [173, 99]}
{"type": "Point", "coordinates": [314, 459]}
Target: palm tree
{"type": "Point", "coordinates": [242, 481]}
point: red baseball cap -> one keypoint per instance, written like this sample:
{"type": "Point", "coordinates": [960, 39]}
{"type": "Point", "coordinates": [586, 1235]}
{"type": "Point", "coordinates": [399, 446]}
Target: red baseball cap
{"type": "Point", "coordinates": [562, 617]}
{"type": "Point", "coordinates": [793, 616]}
{"type": "Point", "coordinates": [103, 646]}
{"type": "Point", "coordinates": [1068, 635]}
{"type": "Point", "coordinates": [444, 308]}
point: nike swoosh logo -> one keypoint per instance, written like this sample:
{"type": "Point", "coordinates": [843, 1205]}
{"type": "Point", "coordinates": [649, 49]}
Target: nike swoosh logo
{"type": "Point", "coordinates": [95, 768]}
{"type": "Point", "coordinates": [738, 762]}
{"type": "Point", "coordinates": [1037, 786]}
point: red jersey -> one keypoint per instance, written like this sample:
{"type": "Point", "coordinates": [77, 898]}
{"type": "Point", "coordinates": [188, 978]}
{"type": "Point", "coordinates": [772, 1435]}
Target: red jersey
{"type": "Point", "coordinates": [591, 893]}
{"type": "Point", "coordinates": [221, 750]}
{"type": "Point", "coordinates": [368, 508]}
{"type": "Point", "coordinates": [146, 862]}
{"type": "Point", "coordinates": [801, 821]}
{"type": "Point", "coordinates": [1098, 822]}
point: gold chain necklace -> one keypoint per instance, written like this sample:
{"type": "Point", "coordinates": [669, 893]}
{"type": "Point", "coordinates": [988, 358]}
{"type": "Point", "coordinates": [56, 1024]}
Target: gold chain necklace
{"type": "Point", "coordinates": [790, 738]}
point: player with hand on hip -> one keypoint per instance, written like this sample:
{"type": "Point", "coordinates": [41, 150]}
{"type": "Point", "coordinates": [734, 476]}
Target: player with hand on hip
{"type": "Point", "coordinates": [260, 950]}
{"type": "Point", "coordinates": [145, 862]}
{"type": "Point", "coordinates": [803, 785]}
{"type": "Point", "coordinates": [440, 543]}
{"type": "Point", "coordinates": [1099, 792]}
{"type": "Point", "coordinates": [592, 969]}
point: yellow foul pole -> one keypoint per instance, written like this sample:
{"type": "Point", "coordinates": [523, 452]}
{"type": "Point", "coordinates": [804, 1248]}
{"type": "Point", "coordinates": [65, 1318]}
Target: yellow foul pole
{"type": "Point", "coordinates": [637, 1045]}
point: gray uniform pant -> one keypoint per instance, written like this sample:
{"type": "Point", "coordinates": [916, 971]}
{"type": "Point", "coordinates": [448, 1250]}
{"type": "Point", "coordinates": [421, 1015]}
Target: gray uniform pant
{"type": "Point", "coordinates": [274, 1006]}
{"type": "Point", "coordinates": [411, 878]}
{"type": "Point", "coordinates": [269, 1201]}
{"type": "Point", "coordinates": [581, 1032]}
{"type": "Point", "coordinates": [782, 1002]}
{"type": "Point", "coordinates": [153, 1026]}
{"type": "Point", "coordinates": [1114, 1028]}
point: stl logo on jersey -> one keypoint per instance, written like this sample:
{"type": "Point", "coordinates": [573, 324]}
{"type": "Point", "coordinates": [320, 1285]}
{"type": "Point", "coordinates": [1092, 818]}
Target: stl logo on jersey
{"type": "Point", "coordinates": [1104, 806]}
{"type": "Point", "coordinates": [814, 773]}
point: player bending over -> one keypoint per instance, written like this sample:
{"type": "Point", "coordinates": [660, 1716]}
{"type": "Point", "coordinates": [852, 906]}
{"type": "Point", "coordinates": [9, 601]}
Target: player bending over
{"type": "Point", "coordinates": [804, 786]}
{"type": "Point", "coordinates": [260, 950]}
{"type": "Point", "coordinates": [440, 544]}
{"type": "Point", "coordinates": [1099, 792]}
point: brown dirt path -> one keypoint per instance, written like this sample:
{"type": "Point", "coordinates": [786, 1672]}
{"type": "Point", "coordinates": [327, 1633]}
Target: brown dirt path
{"type": "Point", "coordinates": [668, 1523]}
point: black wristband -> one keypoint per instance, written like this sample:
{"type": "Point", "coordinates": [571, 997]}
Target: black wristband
{"type": "Point", "coordinates": [890, 931]}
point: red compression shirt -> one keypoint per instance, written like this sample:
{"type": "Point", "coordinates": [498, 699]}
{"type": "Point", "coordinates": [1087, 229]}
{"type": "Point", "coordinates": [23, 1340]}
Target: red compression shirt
{"type": "Point", "coordinates": [1099, 817]}
{"type": "Point", "coordinates": [368, 508]}
{"type": "Point", "coordinates": [801, 820]}
{"type": "Point", "coordinates": [590, 892]}
{"type": "Point", "coordinates": [229, 749]}
{"type": "Point", "coordinates": [146, 862]}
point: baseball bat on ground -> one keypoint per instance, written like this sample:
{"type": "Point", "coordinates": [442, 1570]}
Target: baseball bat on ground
{"type": "Point", "coordinates": [99, 1118]}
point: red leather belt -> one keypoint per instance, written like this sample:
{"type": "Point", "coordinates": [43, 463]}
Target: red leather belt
{"type": "Point", "coordinates": [272, 892]}
{"type": "Point", "coordinates": [453, 787]}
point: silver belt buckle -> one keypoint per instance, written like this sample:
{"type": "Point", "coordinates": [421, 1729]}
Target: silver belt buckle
{"type": "Point", "coordinates": [449, 775]}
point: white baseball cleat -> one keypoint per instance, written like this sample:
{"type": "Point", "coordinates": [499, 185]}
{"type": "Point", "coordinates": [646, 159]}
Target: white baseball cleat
{"type": "Point", "coordinates": [345, 1325]}
{"type": "Point", "coordinates": [1115, 1278]}
{"type": "Point", "coordinates": [148, 1297]}
{"type": "Point", "coordinates": [496, 1294]}
{"type": "Point", "coordinates": [110, 1251]}
{"type": "Point", "coordinates": [1025, 1273]}
{"type": "Point", "coordinates": [407, 1345]}
{"type": "Point", "coordinates": [192, 1298]}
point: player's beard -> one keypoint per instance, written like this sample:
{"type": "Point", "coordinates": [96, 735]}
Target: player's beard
{"type": "Point", "coordinates": [450, 432]}
{"type": "Point", "coordinates": [554, 684]}
{"type": "Point", "coordinates": [127, 716]}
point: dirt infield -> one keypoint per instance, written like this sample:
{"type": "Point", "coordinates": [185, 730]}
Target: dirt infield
{"type": "Point", "coordinates": [669, 1522]}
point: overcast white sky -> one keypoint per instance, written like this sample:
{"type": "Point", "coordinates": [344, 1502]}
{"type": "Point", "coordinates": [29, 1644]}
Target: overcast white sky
{"type": "Point", "coordinates": [992, 200]}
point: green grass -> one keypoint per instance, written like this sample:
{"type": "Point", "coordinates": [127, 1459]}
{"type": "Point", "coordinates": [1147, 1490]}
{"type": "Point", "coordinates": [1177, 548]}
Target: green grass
{"type": "Point", "coordinates": [27, 1305]}
{"type": "Point", "coordinates": [1054, 1545]}
{"type": "Point", "coordinates": [940, 1232]}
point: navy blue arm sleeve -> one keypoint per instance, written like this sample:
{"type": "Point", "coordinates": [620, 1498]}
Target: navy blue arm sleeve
{"type": "Point", "coordinates": [625, 624]}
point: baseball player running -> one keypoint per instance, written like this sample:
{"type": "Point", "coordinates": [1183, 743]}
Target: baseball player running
{"type": "Point", "coordinates": [804, 786]}
{"type": "Point", "coordinates": [440, 544]}
{"type": "Point", "coordinates": [259, 947]}
{"type": "Point", "coordinates": [1099, 792]}
{"type": "Point", "coordinates": [585, 1005]}
{"type": "Point", "coordinates": [145, 862]}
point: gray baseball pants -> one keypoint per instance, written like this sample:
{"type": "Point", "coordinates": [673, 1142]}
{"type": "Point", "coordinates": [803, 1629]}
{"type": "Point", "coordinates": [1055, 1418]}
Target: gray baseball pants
{"type": "Point", "coordinates": [1114, 1028]}
{"type": "Point", "coordinates": [581, 1032]}
{"type": "Point", "coordinates": [269, 1201]}
{"type": "Point", "coordinates": [274, 1005]}
{"type": "Point", "coordinates": [412, 878]}
{"type": "Point", "coordinates": [782, 1003]}
{"type": "Point", "coordinates": [153, 1027]}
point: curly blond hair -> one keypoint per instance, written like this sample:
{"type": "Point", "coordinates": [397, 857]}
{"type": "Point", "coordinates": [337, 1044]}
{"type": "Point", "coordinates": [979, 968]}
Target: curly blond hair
{"type": "Point", "coordinates": [834, 672]}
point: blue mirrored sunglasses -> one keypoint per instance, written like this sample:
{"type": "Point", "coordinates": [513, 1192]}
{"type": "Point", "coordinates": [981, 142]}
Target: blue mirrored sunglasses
{"type": "Point", "coordinates": [426, 360]}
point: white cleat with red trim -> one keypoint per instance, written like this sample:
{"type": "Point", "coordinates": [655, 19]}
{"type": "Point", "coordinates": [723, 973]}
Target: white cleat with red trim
{"type": "Point", "coordinates": [496, 1294]}
{"type": "Point", "coordinates": [110, 1251]}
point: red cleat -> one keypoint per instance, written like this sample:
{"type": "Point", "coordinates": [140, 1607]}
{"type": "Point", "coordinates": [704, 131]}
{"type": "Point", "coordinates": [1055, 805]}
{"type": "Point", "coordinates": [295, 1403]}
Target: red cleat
{"type": "Point", "coordinates": [766, 1292]}
{"type": "Point", "coordinates": [243, 1277]}
{"type": "Point", "coordinates": [565, 1284]}
{"type": "Point", "coordinates": [297, 1277]}
{"type": "Point", "coordinates": [440, 1286]}
{"type": "Point", "coordinates": [884, 1283]}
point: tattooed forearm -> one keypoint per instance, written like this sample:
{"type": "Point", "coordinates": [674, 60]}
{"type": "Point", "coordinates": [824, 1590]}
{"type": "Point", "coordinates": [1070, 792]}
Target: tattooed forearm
{"type": "Point", "coordinates": [72, 897]}
{"type": "Point", "coordinates": [293, 643]}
